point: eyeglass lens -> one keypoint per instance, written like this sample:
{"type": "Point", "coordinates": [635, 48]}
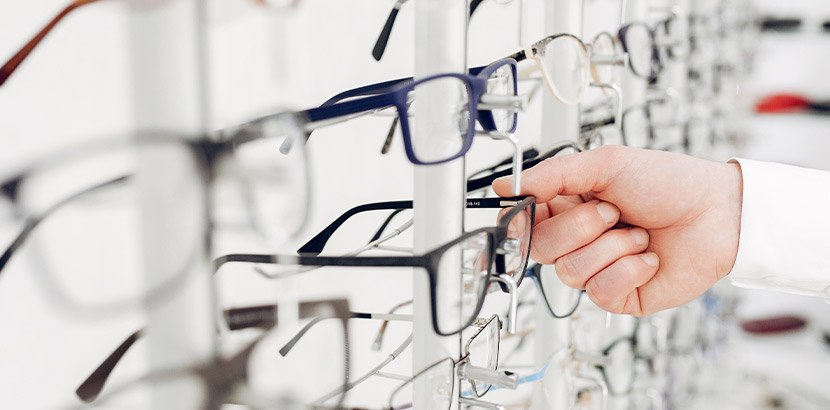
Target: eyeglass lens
{"type": "Point", "coordinates": [439, 106]}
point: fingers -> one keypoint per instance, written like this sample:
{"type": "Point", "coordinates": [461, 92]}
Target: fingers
{"type": "Point", "coordinates": [556, 206]}
{"type": "Point", "coordinates": [579, 266]}
{"type": "Point", "coordinates": [570, 174]}
{"type": "Point", "coordinates": [615, 288]}
{"type": "Point", "coordinates": [571, 230]}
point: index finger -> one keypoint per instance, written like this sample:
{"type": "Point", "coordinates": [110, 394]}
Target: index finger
{"type": "Point", "coordinates": [574, 174]}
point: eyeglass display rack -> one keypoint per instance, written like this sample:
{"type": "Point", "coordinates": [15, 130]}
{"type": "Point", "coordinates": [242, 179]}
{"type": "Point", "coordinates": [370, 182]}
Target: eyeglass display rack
{"type": "Point", "coordinates": [170, 91]}
{"type": "Point", "coordinates": [440, 46]}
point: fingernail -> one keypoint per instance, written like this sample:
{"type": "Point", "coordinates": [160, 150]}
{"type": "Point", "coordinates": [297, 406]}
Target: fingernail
{"type": "Point", "coordinates": [505, 180]}
{"type": "Point", "coordinates": [608, 212]}
{"type": "Point", "coordinates": [650, 259]}
{"type": "Point", "coordinates": [640, 236]}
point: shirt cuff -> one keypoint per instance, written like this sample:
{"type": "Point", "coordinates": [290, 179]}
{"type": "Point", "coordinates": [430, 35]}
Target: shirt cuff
{"type": "Point", "coordinates": [785, 229]}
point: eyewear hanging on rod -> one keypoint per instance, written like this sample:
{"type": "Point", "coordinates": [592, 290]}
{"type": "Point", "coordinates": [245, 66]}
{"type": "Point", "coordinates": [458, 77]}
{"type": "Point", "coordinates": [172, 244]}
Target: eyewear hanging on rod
{"type": "Point", "coordinates": [14, 62]}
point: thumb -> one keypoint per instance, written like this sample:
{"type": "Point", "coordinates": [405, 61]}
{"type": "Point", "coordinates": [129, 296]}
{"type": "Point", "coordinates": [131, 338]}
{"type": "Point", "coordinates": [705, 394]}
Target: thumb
{"type": "Point", "coordinates": [574, 174]}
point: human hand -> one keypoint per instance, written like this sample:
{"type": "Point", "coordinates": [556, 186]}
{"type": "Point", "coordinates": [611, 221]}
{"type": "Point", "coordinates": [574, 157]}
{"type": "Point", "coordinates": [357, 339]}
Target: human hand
{"type": "Point", "coordinates": [639, 230]}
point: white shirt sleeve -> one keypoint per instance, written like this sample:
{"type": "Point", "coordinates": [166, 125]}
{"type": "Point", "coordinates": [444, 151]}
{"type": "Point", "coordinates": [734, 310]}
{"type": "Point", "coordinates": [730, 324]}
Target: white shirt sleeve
{"type": "Point", "coordinates": [785, 229]}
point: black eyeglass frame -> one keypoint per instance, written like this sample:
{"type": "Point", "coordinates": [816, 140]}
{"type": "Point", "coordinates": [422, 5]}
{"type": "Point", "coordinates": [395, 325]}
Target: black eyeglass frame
{"type": "Point", "coordinates": [429, 261]}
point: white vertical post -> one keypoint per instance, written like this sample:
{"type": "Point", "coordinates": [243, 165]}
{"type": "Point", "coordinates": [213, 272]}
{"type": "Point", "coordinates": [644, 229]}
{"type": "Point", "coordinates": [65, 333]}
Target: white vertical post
{"type": "Point", "coordinates": [439, 197]}
{"type": "Point", "coordinates": [634, 87]}
{"type": "Point", "coordinates": [167, 41]}
{"type": "Point", "coordinates": [559, 121]}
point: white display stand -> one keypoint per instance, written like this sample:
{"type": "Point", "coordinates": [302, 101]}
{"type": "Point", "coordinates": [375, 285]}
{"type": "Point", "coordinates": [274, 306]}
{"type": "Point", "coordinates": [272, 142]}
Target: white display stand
{"type": "Point", "coordinates": [439, 197]}
{"type": "Point", "coordinates": [168, 62]}
{"type": "Point", "coordinates": [559, 122]}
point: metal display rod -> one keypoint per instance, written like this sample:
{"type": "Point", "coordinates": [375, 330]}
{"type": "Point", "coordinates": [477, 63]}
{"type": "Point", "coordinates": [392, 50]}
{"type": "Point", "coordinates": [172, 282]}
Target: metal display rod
{"type": "Point", "coordinates": [167, 42]}
{"type": "Point", "coordinates": [439, 197]}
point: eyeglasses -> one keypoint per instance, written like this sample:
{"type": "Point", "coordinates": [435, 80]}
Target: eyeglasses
{"type": "Point", "coordinates": [487, 97]}
{"type": "Point", "coordinates": [93, 191]}
{"type": "Point", "coordinates": [234, 319]}
{"type": "Point", "coordinates": [568, 65]}
{"type": "Point", "coordinates": [557, 307]}
{"type": "Point", "coordinates": [478, 366]}
{"type": "Point", "coordinates": [386, 32]}
{"type": "Point", "coordinates": [511, 259]}
{"type": "Point", "coordinates": [579, 387]}
{"type": "Point", "coordinates": [497, 108]}
{"type": "Point", "coordinates": [255, 376]}
{"type": "Point", "coordinates": [640, 122]}
{"type": "Point", "coordinates": [259, 316]}
{"type": "Point", "coordinates": [11, 65]}
{"type": "Point", "coordinates": [648, 47]}
{"type": "Point", "coordinates": [475, 253]}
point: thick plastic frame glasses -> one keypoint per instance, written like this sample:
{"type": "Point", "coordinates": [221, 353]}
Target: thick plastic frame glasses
{"type": "Point", "coordinates": [430, 261]}
{"type": "Point", "coordinates": [397, 97]}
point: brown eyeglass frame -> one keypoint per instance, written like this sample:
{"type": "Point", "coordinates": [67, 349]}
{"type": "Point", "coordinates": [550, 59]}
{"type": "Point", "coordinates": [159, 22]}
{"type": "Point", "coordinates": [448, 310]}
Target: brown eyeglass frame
{"type": "Point", "coordinates": [10, 66]}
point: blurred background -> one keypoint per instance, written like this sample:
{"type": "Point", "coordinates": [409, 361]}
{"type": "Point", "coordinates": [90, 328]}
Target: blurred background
{"type": "Point", "coordinates": [78, 85]}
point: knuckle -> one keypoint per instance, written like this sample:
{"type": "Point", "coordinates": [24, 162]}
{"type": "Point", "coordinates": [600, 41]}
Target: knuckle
{"type": "Point", "coordinates": [581, 224]}
{"type": "Point", "coordinates": [541, 255]}
{"type": "Point", "coordinates": [599, 294]}
{"type": "Point", "coordinates": [568, 272]}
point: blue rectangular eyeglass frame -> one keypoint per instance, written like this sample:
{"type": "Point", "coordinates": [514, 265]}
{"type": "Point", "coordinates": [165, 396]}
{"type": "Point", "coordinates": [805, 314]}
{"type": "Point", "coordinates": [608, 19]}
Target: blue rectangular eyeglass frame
{"type": "Point", "coordinates": [394, 94]}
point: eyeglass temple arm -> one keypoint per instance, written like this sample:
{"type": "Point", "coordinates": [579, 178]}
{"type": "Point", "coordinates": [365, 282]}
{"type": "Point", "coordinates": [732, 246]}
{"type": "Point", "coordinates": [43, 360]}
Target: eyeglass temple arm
{"type": "Point", "coordinates": [519, 56]}
{"type": "Point", "coordinates": [263, 316]}
{"type": "Point", "coordinates": [89, 390]}
{"type": "Point", "coordinates": [588, 127]}
{"type": "Point", "coordinates": [380, 88]}
{"type": "Point", "coordinates": [483, 182]}
{"type": "Point", "coordinates": [372, 89]}
{"type": "Point", "coordinates": [385, 225]}
{"type": "Point", "coordinates": [34, 221]}
{"type": "Point", "coordinates": [376, 370]}
{"type": "Point", "coordinates": [527, 154]}
{"type": "Point", "coordinates": [316, 244]}
{"type": "Point", "coordinates": [11, 65]}
{"type": "Point", "coordinates": [376, 345]}
{"type": "Point", "coordinates": [386, 32]}
{"type": "Point", "coordinates": [352, 315]}
{"type": "Point", "coordinates": [237, 318]}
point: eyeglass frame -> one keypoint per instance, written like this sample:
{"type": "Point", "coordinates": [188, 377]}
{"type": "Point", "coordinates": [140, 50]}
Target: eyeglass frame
{"type": "Point", "coordinates": [396, 96]}
{"type": "Point", "coordinates": [428, 261]}
{"type": "Point", "coordinates": [220, 373]}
